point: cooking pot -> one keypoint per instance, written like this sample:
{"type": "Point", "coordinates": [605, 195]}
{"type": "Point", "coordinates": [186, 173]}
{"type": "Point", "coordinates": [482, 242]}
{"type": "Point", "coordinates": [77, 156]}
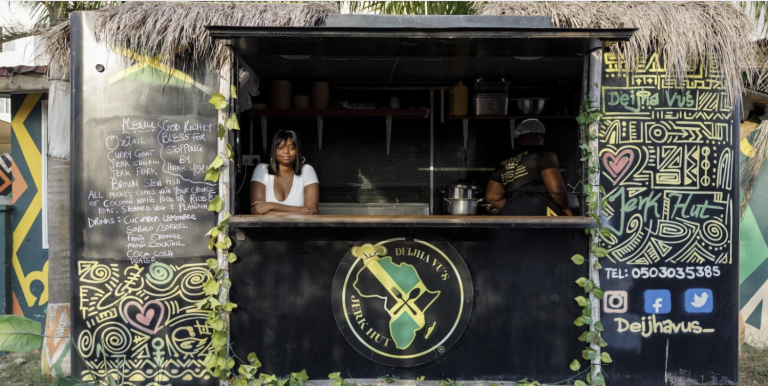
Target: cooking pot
{"type": "Point", "coordinates": [460, 191]}
{"type": "Point", "coordinates": [462, 206]}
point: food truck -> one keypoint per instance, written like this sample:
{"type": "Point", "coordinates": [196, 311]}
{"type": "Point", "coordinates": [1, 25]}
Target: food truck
{"type": "Point", "coordinates": [401, 118]}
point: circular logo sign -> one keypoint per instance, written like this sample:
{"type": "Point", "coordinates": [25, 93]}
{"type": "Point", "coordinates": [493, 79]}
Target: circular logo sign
{"type": "Point", "coordinates": [402, 302]}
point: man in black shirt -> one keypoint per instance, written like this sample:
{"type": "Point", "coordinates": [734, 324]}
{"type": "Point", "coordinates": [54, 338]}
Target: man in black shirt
{"type": "Point", "coordinates": [529, 183]}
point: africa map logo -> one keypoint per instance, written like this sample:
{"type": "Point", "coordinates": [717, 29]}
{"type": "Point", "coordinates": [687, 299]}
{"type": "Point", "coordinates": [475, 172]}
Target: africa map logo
{"type": "Point", "coordinates": [402, 303]}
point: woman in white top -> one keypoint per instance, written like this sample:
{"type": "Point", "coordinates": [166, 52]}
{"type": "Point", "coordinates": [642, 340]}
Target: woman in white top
{"type": "Point", "coordinates": [285, 185]}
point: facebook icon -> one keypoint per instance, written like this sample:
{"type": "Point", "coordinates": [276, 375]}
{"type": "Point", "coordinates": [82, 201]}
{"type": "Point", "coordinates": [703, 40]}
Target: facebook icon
{"type": "Point", "coordinates": [658, 301]}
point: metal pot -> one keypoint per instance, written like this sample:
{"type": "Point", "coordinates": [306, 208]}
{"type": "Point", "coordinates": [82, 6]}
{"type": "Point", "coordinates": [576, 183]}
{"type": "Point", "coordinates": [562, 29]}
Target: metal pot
{"type": "Point", "coordinates": [460, 191]}
{"type": "Point", "coordinates": [462, 206]}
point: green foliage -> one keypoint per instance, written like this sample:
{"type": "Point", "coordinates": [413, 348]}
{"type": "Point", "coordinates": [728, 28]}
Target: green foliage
{"type": "Point", "coordinates": [232, 123]}
{"type": "Point", "coordinates": [218, 101]}
{"type": "Point", "coordinates": [588, 116]}
{"type": "Point", "coordinates": [413, 7]}
{"type": "Point", "coordinates": [575, 365]}
{"type": "Point", "coordinates": [577, 259]}
{"type": "Point", "coordinates": [19, 334]}
{"type": "Point", "coordinates": [339, 381]}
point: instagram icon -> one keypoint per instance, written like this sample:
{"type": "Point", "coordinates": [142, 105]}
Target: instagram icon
{"type": "Point", "coordinates": [615, 302]}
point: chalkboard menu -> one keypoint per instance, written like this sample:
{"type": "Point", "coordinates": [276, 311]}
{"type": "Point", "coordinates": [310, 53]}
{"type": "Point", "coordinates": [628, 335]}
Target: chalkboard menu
{"type": "Point", "coordinates": [143, 136]}
{"type": "Point", "coordinates": [669, 166]}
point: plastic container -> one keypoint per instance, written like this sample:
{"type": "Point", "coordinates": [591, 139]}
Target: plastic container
{"type": "Point", "coordinates": [458, 99]}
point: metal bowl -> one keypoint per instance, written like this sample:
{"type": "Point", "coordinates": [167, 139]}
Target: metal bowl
{"type": "Point", "coordinates": [531, 106]}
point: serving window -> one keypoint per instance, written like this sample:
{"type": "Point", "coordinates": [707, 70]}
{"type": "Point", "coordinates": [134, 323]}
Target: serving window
{"type": "Point", "coordinates": [396, 130]}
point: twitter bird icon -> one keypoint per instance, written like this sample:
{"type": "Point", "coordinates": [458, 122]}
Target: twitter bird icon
{"type": "Point", "coordinates": [699, 300]}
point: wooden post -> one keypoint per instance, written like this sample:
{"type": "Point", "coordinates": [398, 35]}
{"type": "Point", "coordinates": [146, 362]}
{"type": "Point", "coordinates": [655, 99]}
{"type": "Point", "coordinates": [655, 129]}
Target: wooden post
{"type": "Point", "coordinates": [595, 74]}
{"type": "Point", "coordinates": [221, 149]}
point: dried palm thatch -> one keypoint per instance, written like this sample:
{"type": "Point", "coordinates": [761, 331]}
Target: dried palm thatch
{"type": "Point", "coordinates": [750, 171]}
{"type": "Point", "coordinates": [172, 29]}
{"type": "Point", "coordinates": [685, 33]}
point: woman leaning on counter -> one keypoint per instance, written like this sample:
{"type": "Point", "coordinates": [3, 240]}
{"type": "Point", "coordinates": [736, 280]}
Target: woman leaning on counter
{"type": "Point", "coordinates": [529, 183]}
{"type": "Point", "coordinates": [286, 185]}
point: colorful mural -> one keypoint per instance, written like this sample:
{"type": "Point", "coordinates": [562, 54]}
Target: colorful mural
{"type": "Point", "coordinates": [753, 254]}
{"type": "Point", "coordinates": [668, 163]}
{"type": "Point", "coordinates": [29, 261]}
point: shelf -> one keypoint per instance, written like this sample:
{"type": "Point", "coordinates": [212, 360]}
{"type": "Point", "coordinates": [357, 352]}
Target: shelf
{"type": "Point", "coordinates": [402, 113]}
{"type": "Point", "coordinates": [249, 221]}
{"type": "Point", "coordinates": [501, 117]}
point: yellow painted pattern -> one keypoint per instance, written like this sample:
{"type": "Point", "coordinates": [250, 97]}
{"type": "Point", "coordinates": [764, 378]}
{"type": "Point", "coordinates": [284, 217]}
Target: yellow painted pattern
{"type": "Point", "coordinates": [144, 61]}
{"type": "Point", "coordinates": [34, 161]}
{"type": "Point", "coordinates": [747, 149]}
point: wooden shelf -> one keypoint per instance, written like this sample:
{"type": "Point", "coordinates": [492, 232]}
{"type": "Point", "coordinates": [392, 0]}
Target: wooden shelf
{"type": "Point", "coordinates": [402, 113]}
{"type": "Point", "coordinates": [502, 117]}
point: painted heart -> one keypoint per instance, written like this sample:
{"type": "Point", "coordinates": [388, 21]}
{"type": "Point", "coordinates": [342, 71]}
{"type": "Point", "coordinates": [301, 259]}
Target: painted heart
{"type": "Point", "coordinates": [618, 164]}
{"type": "Point", "coordinates": [147, 318]}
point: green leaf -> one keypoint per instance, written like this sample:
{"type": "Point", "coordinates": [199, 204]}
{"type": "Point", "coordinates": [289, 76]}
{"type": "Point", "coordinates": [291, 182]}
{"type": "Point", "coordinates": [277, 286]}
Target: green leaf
{"type": "Point", "coordinates": [227, 284]}
{"type": "Point", "coordinates": [575, 365]}
{"type": "Point", "coordinates": [587, 319]}
{"type": "Point", "coordinates": [19, 334]}
{"type": "Point", "coordinates": [388, 379]}
{"type": "Point", "coordinates": [599, 326]}
{"type": "Point", "coordinates": [211, 242]}
{"type": "Point", "coordinates": [230, 152]}
{"type": "Point", "coordinates": [211, 287]}
{"type": "Point", "coordinates": [212, 175]}
{"type": "Point", "coordinates": [231, 122]}
{"type": "Point", "coordinates": [579, 321]}
{"type": "Point", "coordinates": [230, 363]}
{"type": "Point", "coordinates": [212, 263]}
{"type": "Point", "coordinates": [233, 91]}
{"type": "Point", "coordinates": [582, 301]}
{"type": "Point", "coordinates": [421, 378]}
{"type": "Point", "coordinates": [599, 380]}
{"type": "Point", "coordinates": [218, 324]}
{"type": "Point", "coordinates": [253, 358]}
{"type": "Point", "coordinates": [588, 285]}
{"type": "Point", "coordinates": [201, 304]}
{"type": "Point", "coordinates": [590, 336]}
{"type": "Point", "coordinates": [606, 358]}
{"type": "Point", "coordinates": [597, 292]}
{"type": "Point", "coordinates": [583, 336]}
{"type": "Point", "coordinates": [334, 376]}
{"type": "Point", "coordinates": [301, 376]}
{"type": "Point", "coordinates": [218, 339]}
{"type": "Point", "coordinates": [245, 371]}
{"type": "Point", "coordinates": [597, 265]}
{"type": "Point", "coordinates": [215, 204]}
{"type": "Point", "coordinates": [605, 232]}
{"type": "Point", "coordinates": [601, 342]}
{"type": "Point", "coordinates": [240, 381]}
{"type": "Point", "coordinates": [589, 354]}
{"type": "Point", "coordinates": [222, 131]}
{"type": "Point", "coordinates": [581, 281]}
{"type": "Point", "coordinates": [218, 101]}
{"type": "Point", "coordinates": [223, 375]}
{"type": "Point", "coordinates": [586, 311]}
{"type": "Point", "coordinates": [577, 259]}
{"type": "Point", "coordinates": [225, 221]}
{"type": "Point", "coordinates": [214, 302]}
{"type": "Point", "coordinates": [217, 162]}
{"type": "Point", "coordinates": [601, 252]}
{"type": "Point", "coordinates": [231, 257]}
{"type": "Point", "coordinates": [579, 383]}
{"type": "Point", "coordinates": [229, 306]}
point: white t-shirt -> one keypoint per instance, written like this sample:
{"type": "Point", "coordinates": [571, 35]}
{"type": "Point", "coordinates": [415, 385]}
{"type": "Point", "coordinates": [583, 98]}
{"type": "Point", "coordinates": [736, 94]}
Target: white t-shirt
{"type": "Point", "coordinates": [296, 195]}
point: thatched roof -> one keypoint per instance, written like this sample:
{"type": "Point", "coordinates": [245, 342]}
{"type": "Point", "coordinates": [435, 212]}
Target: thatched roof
{"type": "Point", "coordinates": [684, 32]}
{"type": "Point", "coordinates": [168, 28]}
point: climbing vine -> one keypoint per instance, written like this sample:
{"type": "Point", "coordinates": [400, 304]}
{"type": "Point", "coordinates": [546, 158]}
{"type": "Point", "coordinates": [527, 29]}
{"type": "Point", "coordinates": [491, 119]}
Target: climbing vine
{"type": "Point", "coordinates": [588, 118]}
{"type": "Point", "coordinates": [221, 365]}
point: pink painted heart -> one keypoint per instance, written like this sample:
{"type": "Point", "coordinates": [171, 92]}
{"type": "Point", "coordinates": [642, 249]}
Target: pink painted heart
{"type": "Point", "coordinates": [147, 318]}
{"type": "Point", "coordinates": [618, 164]}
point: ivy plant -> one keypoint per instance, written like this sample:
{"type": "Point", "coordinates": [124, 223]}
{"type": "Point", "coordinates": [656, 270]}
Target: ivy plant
{"type": "Point", "coordinates": [587, 119]}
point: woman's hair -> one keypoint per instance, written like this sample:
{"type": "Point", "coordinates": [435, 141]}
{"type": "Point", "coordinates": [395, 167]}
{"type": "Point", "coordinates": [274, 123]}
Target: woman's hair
{"type": "Point", "coordinates": [283, 136]}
